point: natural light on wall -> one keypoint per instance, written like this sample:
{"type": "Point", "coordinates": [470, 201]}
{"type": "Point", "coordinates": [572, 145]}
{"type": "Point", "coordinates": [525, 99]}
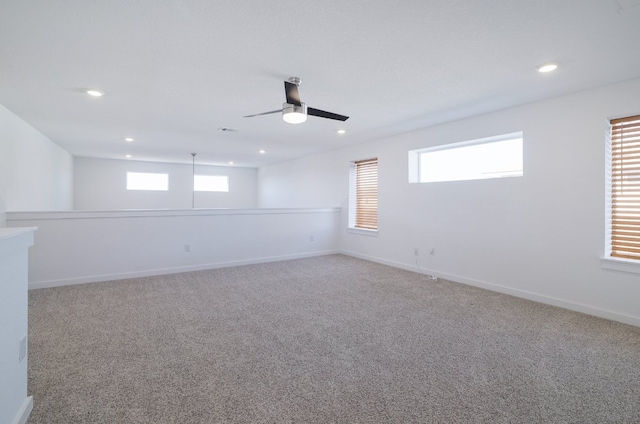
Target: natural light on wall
{"type": "Point", "coordinates": [211, 183]}
{"type": "Point", "coordinates": [493, 157]}
{"type": "Point", "coordinates": [147, 181]}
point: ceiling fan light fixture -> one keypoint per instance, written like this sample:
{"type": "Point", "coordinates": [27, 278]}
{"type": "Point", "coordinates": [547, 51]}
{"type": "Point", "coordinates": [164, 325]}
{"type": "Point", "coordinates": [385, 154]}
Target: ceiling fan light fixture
{"type": "Point", "coordinates": [294, 114]}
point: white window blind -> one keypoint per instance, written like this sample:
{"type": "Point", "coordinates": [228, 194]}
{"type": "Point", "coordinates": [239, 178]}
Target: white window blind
{"type": "Point", "coordinates": [625, 187]}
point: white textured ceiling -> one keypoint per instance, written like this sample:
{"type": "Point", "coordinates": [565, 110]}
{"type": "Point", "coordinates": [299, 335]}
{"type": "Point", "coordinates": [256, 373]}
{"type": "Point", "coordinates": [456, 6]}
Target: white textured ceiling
{"type": "Point", "coordinates": [175, 71]}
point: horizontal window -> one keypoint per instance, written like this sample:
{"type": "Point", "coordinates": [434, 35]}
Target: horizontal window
{"type": "Point", "coordinates": [147, 181]}
{"type": "Point", "coordinates": [211, 183]}
{"type": "Point", "coordinates": [493, 157]}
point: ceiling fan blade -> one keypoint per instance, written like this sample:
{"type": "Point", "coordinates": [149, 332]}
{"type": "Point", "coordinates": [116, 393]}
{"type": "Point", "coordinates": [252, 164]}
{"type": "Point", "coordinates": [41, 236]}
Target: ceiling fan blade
{"type": "Point", "coordinates": [263, 113]}
{"type": "Point", "coordinates": [324, 114]}
{"type": "Point", "coordinates": [291, 91]}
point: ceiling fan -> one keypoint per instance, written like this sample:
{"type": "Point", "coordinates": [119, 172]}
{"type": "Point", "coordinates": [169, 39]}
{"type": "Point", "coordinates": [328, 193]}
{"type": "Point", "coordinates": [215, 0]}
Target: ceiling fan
{"type": "Point", "coordinates": [294, 111]}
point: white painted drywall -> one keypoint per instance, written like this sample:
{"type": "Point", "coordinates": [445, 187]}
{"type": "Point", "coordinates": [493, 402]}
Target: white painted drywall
{"type": "Point", "coordinates": [3, 214]}
{"type": "Point", "coordinates": [78, 247]}
{"type": "Point", "coordinates": [100, 184]}
{"type": "Point", "coordinates": [35, 173]}
{"type": "Point", "coordinates": [540, 236]}
{"type": "Point", "coordinates": [15, 405]}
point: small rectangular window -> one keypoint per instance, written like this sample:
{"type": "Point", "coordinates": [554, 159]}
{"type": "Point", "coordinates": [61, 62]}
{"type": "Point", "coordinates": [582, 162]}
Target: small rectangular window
{"type": "Point", "coordinates": [625, 188]}
{"type": "Point", "coordinates": [147, 181]}
{"type": "Point", "coordinates": [493, 157]}
{"type": "Point", "coordinates": [363, 210]}
{"type": "Point", "coordinates": [211, 183]}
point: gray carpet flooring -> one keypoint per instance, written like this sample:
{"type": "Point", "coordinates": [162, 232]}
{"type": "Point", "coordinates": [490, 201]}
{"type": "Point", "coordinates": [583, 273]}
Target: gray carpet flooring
{"type": "Point", "coordinates": [329, 339]}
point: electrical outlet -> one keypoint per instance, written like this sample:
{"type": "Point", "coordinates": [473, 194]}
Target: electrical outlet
{"type": "Point", "coordinates": [416, 251]}
{"type": "Point", "coordinates": [187, 248]}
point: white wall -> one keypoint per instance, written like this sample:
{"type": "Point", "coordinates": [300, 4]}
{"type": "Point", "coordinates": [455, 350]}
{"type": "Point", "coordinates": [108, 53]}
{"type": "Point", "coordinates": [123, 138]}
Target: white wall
{"type": "Point", "coordinates": [79, 247]}
{"type": "Point", "coordinates": [3, 214]}
{"type": "Point", "coordinates": [312, 181]}
{"type": "Point", "coordinates": [35, 173]}
{"type": "Point", "coordinates": [540, 236]}
{"type": "Point", "coordinates": [15, 405]}
{"type": "Point", "coordinates": [100, 184]}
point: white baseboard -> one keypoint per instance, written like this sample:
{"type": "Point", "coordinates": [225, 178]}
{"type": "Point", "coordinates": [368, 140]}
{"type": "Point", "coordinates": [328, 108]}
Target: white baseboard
{"type": "Point", "coordinates": [23, 414]}
{"type": "Point", "coordinates": [578, 307]}
{"type": "Point", "coordinates": [172, 270]}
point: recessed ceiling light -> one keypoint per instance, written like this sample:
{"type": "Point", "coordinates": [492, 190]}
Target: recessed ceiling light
{"type": "Point", "coordinates": [95, 93]}
{"type": "Point", "coordinates": [263, 152]}
{"type": "Point", "coordinates": [127, 156]}
{"type": "Point", "coordinates": [129, 139]}
{"type": "Point", "coordinates": [341, 131]}
{"type": "Point", "coordinates": [547, 67]}
{"type": "Point", "coordinates": [231, 162]}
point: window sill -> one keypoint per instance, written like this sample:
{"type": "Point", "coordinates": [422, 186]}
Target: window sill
{"type": "Point", "coordinates": [363, 232]}
{"type": "Point", "coordinates": [619, 264]}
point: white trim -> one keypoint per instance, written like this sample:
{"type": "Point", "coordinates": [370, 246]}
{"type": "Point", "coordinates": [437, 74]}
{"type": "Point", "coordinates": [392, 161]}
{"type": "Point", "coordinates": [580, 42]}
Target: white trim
{"type": "Point", "coordinates": [363, 231]}
{"type": "Point", "coordinates": [24, 411]}
{"type": "Point", "coordinates": [578, 307]}
{"type": "Point", "coordinates": [394, 264]}
{"type": "Point", "coordinates": [151, 181]}
{"type": "Point", "coordinates": [7, 233]}
{"type": "Point", "coordinates": [205, 181]}
{"type": "Point", "coordinates": [353, 192]}
{"type": "Point", "coordinates": [416, 158]}
{"type": "Point", "coordinates": [172, 270]}
{"type": "Point", "coordinates": [608, 207]}
{"type": "Point", "coordinates": [475, 141]}
{"type": "Point", "coordinates": [620, 264]}
{"type": "Point", "coordinates": [147, 213]}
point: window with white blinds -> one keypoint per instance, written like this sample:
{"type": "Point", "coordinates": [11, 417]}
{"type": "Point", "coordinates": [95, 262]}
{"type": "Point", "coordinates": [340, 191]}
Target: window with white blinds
{"type": "Point", "coordinates": [364, 195]}
{"type": "Point", "coordinates": [625, 187]}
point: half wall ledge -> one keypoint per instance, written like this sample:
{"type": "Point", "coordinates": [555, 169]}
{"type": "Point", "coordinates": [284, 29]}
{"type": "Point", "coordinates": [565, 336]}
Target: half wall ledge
{"type": "Point", "coordinates": [74, 247]}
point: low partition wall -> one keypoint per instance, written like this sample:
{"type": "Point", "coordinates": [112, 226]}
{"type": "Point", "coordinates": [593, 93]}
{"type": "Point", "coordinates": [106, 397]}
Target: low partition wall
{"type": "Point", "coordinates": [80, 247]}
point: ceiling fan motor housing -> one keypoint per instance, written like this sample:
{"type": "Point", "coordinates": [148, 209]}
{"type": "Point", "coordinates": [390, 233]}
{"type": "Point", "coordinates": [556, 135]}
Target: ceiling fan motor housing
{"type": "Point", "coordinates": [294, 114]}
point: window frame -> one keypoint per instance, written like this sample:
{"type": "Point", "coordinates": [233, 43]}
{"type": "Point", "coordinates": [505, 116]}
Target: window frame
{"type": "Point", "coordinates": [129, 183]}
{"type": "Point", "coordinates": [226, 177]}
{"type": "Point", "coordinates": [357, 189]}
{"type": "Point", "coordinates": [615, 165]}
{"type": "Point", "coordinates": [416, 158]}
